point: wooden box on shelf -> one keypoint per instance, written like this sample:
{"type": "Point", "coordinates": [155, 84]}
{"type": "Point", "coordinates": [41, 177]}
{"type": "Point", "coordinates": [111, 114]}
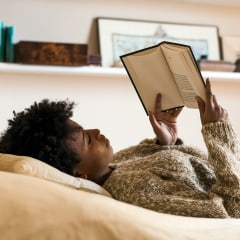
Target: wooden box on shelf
{"type": "Point", "coordinates": [50, 53]}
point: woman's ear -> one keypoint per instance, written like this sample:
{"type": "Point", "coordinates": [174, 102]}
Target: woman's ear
{"type": "Point", "coordinates": [77, 172]}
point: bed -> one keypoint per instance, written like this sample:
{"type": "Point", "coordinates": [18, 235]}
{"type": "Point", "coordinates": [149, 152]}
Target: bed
{"type": "Point", "coordinates": [39, 202]}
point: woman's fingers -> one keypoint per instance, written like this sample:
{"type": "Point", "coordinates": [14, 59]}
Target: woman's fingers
{"type": "Point", "coordinates": [157, 107]}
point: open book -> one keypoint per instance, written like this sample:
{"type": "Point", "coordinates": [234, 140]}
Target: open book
{"type": "Point", "coordinates": [167, 68]}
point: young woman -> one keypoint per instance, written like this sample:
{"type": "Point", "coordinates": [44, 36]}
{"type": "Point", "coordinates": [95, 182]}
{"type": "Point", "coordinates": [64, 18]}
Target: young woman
{"type": "Point", "coordinates": [161, 174]}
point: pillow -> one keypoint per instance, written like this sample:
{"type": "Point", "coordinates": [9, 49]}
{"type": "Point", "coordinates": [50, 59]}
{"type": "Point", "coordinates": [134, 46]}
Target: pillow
{"type": "Point", "coordinates": [33, 167]}
{"type": "Point", "coordinates": [32, 208]}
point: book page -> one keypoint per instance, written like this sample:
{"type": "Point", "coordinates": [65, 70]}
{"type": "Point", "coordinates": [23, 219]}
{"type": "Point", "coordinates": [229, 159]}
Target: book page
{"type": "Point", "coordinates": [150, 75]}
{"type": "Point", "coordinates": [186, 73]}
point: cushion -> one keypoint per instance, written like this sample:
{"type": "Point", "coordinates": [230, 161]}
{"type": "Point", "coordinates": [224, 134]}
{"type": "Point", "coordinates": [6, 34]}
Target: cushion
{"type": "Point", "coordinates": [33, 208]}
{"type": "Point", "coordinates": [33, 167]}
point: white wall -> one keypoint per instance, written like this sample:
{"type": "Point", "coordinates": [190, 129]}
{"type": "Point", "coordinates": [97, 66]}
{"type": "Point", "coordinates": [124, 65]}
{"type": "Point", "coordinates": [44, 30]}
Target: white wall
{"type": "Point", "coordinates": [105, 100]}
{"type": "Point", "coordinates": [109, 103]}
{"type": "Point", "coordinates": [72, 20]}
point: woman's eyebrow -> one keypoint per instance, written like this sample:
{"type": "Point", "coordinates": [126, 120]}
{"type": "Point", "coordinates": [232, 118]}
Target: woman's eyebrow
{"type": "Point", "coordinates": [80, 128]}
{"type": "Point", "coordinates": [77, 129]}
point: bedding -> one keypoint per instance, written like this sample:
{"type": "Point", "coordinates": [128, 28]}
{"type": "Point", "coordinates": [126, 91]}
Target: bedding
{"type": "Point", "coordinates": [33, 167]}
{"type": "Point", "coordinates": [36, 207]}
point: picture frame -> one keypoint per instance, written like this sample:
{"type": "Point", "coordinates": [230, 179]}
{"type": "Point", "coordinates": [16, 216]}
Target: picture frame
{"type": "Point", "coordinates": [120, 36]}
{"type": "Point", "coordinates": [230, 48]}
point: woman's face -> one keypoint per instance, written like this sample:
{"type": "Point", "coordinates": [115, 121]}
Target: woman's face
{"type": "Point", "coordinates": [93, 149]}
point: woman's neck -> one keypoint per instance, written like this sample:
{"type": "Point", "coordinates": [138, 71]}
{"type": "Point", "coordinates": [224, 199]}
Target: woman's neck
{"type": "Point", "coordinates": [104, 176]}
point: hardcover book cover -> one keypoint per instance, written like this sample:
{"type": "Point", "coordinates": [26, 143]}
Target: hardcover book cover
{"type": "Point", "coordinates": [168, 68]}
{"type": "Point", "coordinates": [9, 44]}
{"type": "Point", "coordinates": [2, 41]}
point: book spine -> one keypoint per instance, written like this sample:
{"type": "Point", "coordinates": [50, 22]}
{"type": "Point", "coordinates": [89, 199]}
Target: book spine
{"type": "Point", "coordinates": [9, 45]}
{"type": "Point", "coordinates": [2, 41]}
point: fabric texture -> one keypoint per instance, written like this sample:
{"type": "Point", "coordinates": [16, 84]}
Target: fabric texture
{"type": "Point", "coordinates": [33, 208]}
{"type": "Point", "coordinates": [33, 167]}
{"type": "Point", "coordinates": [180, 179]}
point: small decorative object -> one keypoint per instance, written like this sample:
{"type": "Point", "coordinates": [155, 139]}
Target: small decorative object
{"type": "Point", "coordinates": [2, 41]}
{"type": "Point", "coordinates": [222, 66]}
{"type": "Point", "coordinates": [50, 53]}
{"type": "Point", "coordinates": [120, 36]}
{"type": "Point", "coordinates": [237, 63]}
{"type": "Point", "coordinates": [6, 43]}
{"type": "Point", "coordinates": [94, 60]}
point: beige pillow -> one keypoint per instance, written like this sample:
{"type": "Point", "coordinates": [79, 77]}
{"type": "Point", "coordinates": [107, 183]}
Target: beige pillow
{"type": "Point", "coordinates": [32, 208]}
{"type": "Point", "coordinates": [33, 167]}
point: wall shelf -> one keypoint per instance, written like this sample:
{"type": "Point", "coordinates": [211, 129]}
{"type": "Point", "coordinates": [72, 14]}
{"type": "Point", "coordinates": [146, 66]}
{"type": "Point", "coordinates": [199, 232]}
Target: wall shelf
{"type": "Point", "coordinates": [93, 71]}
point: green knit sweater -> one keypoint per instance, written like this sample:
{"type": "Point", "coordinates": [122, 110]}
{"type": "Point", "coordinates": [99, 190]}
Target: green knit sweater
{"type": "Point", "coordinates": [180, 179]}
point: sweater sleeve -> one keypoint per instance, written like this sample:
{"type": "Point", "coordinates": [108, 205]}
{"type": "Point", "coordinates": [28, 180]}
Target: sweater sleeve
{"type": "Point", "coordinates": [224, 155]}
{"type": "Point", "coordinates": [145, 147]}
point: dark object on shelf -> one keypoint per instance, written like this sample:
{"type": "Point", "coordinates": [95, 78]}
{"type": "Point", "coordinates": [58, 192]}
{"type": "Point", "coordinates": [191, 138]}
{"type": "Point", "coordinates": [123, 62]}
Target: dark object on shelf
{"type": "Point", "coordinates": [237, 63]}
{"type": "Point", "coordinates": [9, 45]}
{"type": "Point", "coordinates": [221, 66]}
{"type": "Point", "coordinates": [95, 60]}
{"type": "Point", "coordinates": [50, 53]}
{"type": "Point", "coordinates": [6, 43]}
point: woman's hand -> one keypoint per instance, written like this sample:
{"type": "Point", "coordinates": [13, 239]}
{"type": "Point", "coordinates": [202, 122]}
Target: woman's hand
{"type": "Point", "coordinates": [164, 124]}
{"type": "Point", "coordinates": [210, 110]}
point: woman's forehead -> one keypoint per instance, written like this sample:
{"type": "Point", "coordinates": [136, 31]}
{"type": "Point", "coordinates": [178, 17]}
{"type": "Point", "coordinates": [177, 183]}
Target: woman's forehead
{"type": "Point", "coordinates": [74, 125]}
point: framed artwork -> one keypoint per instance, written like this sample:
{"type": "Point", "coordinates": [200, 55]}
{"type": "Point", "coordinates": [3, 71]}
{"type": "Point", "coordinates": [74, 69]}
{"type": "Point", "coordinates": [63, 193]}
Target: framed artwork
{"type": "Point", "coordinates": [121, 36]}
{"type": "Point", "coordinates": [230, 48]}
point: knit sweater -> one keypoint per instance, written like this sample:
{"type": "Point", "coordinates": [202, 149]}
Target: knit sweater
{"type": "Point", "coordinates": [180, 179]}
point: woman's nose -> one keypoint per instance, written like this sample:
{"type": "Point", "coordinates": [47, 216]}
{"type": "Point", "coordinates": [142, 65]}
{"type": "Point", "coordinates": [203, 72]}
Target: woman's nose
{"type": "Point", "coordinates": [95, 132]}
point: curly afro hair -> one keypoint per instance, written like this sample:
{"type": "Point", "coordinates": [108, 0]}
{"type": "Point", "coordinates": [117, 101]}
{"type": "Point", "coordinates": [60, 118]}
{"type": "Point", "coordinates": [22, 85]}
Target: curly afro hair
{"type": "Point", "coordinates": [40, 132]}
